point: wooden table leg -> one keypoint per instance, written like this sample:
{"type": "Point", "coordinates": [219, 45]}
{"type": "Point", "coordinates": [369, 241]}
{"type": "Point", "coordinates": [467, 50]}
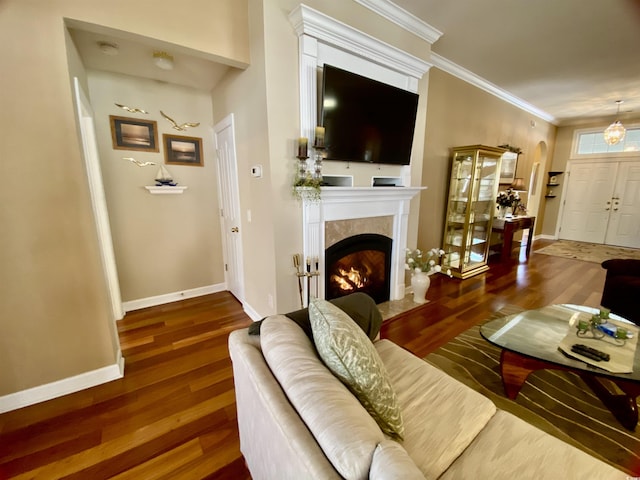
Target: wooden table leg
{"type": "Point", "coordinates": [515, 369]}
{"type": "Point", "coordinates": [623, 406]}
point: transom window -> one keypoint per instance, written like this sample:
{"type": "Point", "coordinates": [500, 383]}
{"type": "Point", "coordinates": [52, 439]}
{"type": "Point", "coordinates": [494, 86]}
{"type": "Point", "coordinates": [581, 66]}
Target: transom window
{"type": "Point", "coordinates": [591, 142]}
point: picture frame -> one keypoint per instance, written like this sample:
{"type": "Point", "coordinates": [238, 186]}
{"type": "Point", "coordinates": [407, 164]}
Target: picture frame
{"type": "Point", "coordinates": [134, 134]}
{"type": "Point", "coordinates": [508, 166]}
{"type": "Point", "coordinates": [181, 150]}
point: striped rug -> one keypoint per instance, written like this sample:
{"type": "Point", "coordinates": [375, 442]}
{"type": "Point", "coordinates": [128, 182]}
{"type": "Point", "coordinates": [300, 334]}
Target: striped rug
{"type": "Point", "coordinates": [554, 401]}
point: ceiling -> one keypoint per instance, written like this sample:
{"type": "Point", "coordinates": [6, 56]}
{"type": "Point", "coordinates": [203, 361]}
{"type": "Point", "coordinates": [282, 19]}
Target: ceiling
{"type": "Point", "coordinates": [134, 56]}
{"type": "Point", "coordinates": [568, 59]}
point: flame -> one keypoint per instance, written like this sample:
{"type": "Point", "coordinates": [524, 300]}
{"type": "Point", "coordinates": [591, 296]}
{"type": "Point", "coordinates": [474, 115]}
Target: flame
{"type": "Point", "coordinates": [348, 280]}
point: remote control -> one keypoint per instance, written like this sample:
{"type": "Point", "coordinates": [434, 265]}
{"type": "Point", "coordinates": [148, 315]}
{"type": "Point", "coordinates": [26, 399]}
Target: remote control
{"type": "Point", "coordinates": [589, 352]}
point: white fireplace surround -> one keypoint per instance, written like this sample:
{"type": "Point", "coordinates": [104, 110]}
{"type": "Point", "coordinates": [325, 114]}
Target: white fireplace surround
{"type": "Point", "coordinates": [344, 203]}
{"type": "Point", "coordinates": [323, 39]}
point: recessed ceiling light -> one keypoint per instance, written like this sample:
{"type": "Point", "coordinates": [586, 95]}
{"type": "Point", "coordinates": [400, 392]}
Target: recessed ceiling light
{"type": "Point", "coordinates": [108, 48]}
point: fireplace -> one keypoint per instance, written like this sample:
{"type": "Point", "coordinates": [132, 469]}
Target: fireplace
{"type": "Point", "coordinates": [363, 209]}
{"type": "Point", "coordinates": [360, 263]}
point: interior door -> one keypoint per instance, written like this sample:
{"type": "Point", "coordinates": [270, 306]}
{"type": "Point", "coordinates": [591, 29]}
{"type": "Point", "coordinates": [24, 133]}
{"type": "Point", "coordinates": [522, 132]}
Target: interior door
{"type": "Point", "coordinates": [230, 206]}
{"type": "Point", "coordinates": [624, 225]}
{"type": "Point", "coordinates": [588, 201]}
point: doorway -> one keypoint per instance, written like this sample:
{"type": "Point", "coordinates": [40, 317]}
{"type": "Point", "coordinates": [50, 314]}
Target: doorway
{"type": "Point", "coordinates": [602, 203]}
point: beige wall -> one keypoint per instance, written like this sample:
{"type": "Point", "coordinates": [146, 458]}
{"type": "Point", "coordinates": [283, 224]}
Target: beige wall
{"type": "Point", "coordinates": [54, 312]}
{"type": "Point", "coordinates": [460, 114]}
{"type": "Point", "coordinates": [163, 243]}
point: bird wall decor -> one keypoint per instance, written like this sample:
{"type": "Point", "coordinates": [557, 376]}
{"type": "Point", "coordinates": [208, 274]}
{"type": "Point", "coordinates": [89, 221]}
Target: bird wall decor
{"type": "Point", "coordinates": [131, 109]}
{"type": "Point", "coordinates": [138, 162]}
{"type": "Point", "coordinates": [183, 126]}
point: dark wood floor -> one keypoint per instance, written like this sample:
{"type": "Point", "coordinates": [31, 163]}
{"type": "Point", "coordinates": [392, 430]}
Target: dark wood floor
{"type": "Point", "coordinates": [173, 414]}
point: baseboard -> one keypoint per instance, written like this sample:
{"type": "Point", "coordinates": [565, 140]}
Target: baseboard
{"type": "Point", "coordinates": [172, 297]}
{"type": "Point", "coordinates": [42, 393]}
{"type": "Point", "coordinates": [255, 316]}
{"type": "Point", "coordinates": [545, 237]}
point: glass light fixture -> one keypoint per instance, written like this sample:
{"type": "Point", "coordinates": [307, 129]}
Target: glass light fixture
{"type": "Point", "coordinates": [163, 60]}
{"type": "Point", "coordinates": [615, 132]}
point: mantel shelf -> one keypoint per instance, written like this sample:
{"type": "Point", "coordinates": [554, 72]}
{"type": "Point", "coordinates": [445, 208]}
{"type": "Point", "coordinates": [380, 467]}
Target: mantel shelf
{"type": "Point", "coordinates": [166, 190]}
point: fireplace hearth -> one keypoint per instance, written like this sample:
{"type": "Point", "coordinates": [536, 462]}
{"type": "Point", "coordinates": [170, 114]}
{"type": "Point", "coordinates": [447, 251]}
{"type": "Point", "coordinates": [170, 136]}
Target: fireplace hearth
{"type": "Point", "coordinates": [360, 263]}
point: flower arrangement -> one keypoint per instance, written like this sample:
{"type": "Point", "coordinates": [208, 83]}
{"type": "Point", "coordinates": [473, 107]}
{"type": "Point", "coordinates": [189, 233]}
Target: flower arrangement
{"type": "Point", "coordinates": [419, 261]}
{"type": "Point", "coordinates": [508, 198]}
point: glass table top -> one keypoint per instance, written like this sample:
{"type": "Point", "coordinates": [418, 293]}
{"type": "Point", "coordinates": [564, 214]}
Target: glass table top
{"type": "Point", "coordinates": [537, 333]}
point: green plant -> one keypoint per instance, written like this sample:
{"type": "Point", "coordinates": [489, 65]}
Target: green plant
{"type": "Point", "coordinates": [307, 188]}
{"type": "Point", "coordinates": [420, 261]}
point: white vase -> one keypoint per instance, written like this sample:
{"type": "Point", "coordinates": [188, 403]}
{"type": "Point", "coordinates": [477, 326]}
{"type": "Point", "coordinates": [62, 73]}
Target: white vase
{"type": "Point", "coordinates": [420, 283]}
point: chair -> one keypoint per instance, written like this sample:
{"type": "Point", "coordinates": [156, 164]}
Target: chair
{"type": "Point", "coordinates": [621, 293]}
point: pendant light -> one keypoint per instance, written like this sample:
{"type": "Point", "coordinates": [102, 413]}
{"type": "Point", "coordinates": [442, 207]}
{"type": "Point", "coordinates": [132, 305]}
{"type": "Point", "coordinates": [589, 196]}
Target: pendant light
{"type": "Point", "coordinates": [615, 132]}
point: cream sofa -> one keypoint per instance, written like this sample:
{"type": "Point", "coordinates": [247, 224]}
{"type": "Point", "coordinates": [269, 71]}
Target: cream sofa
{"type": "Point", "coordinates": [298, 421]}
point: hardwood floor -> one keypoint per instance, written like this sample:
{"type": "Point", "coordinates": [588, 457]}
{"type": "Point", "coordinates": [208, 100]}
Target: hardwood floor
{"type": "Point", "coordinates": [173, 414]}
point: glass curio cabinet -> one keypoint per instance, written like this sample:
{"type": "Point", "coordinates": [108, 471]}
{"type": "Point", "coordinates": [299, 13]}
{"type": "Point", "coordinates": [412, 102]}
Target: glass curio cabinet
{"type": "Point", "coordinates": [475, 175]}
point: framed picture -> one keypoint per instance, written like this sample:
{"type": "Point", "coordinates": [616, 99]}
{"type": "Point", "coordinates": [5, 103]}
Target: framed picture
{"type": "Point", "coordinates": [508, 167]}
{"type": "Point", "coordinates": [134, 134]}
{"type": "Point", "coordinates": [179, 150]}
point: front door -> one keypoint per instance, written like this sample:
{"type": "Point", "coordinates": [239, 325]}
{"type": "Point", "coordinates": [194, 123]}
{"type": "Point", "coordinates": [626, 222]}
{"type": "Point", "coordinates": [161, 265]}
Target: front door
{"type": "Point", "coordinates": [588, 201]}
{"type": "Point", "coordinates": [624, 225]}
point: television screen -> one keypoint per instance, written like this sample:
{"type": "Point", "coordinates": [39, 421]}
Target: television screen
{"type": "Point", "coordinates": [366, 120]}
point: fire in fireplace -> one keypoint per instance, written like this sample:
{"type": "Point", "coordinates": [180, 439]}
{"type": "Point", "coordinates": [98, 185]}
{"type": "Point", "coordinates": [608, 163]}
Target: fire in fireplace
{"type": "Point", "coordinates": [361, 263]}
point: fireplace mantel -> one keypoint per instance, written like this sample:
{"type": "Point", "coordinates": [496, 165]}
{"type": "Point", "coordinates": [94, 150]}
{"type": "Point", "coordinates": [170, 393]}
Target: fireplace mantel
{"type": "Point", "coordinates": [344, 203]}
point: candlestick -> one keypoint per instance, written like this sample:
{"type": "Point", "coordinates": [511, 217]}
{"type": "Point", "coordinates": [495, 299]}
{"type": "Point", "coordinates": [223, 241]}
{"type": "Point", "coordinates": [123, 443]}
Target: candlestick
{"type": "Point", "coordinates": [319, 142]}
{"type": "Point", "coordinates": [302, 147]}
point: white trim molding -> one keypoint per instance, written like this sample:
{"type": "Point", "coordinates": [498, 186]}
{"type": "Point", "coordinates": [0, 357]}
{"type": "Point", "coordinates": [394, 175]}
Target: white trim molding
{"type": "Point", "coordinates": [470, 77]}
{"type": "Point", "coordinates": [327, 30]}
{"type": "Point", "coordinates": [173, 297]}
{"type": "Point", "coordinates": [395, 14]}
{"type": "Point", "coordinates": [63, 387]}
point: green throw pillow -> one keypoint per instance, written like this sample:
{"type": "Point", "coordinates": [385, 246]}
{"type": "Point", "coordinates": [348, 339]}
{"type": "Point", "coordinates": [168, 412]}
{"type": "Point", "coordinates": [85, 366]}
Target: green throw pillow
{"type": "Point", "coordinates": [349, 354]}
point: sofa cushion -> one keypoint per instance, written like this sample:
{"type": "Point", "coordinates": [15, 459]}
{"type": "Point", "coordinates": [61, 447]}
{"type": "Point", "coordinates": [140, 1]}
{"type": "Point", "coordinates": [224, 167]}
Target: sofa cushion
{"type": "Point", "coordinates": [342, 427]}
{"type": "Point", "coordinates": [508, 447]}
{"type": "Point", "coordinates": [351, 356]}
{"type": "Point", "coordinates": [391, 461]}
{"type": "Point", "coordinates": [442, 416]}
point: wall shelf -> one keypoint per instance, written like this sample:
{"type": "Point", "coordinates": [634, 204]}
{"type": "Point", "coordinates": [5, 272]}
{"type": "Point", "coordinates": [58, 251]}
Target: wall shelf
{"type": "Point", "coordinates": [165, 190]}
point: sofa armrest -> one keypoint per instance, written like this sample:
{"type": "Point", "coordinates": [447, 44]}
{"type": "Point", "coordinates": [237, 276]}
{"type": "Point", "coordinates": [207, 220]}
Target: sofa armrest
{"type": "Point", "coordinates": [274, 441]}
{"type": "Point", "coordinates": [622, 266]}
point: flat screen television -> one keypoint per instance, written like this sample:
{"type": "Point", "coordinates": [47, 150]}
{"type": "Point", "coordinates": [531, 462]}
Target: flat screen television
{"type": "Point", "coordinates": [366, 120]}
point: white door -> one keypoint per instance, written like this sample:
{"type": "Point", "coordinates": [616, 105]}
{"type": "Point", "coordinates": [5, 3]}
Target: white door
{"type": "Point", "coordinates": [228, 193]}
{"type": "Point", "coordinates": [624, 225]}
{"type": "Point", "coordinates": [587, 204]}
{"type": "Point", "coordinates": [98, 199]}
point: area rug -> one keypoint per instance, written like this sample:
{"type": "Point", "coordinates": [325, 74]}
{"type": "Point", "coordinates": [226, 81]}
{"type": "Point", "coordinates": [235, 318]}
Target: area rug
{"type": "Point", "coordinates": [554, 401]}
{"type": "Point", "coordinates": [588, 252]}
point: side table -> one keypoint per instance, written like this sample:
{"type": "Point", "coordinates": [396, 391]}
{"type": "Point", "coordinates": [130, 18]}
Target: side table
{"type": "Point", "coordinates": [508, 226]}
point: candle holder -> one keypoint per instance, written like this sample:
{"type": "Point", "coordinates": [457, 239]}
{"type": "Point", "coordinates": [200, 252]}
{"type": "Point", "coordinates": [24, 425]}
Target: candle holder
{"type": "Point", "coordinates": [317, 164]}
{"type": "Point", "coordinates": [302, 167]}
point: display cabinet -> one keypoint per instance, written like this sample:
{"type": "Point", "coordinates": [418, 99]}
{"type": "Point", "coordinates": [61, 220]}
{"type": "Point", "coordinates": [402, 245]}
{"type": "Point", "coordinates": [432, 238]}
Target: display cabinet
{"type": "Point", "coordinates": [473, 188]}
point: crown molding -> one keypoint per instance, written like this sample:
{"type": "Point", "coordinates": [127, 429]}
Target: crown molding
{"type": "Point", "coordinates": [470, 77]}
{"type": "Point", "coordinates": [401, 17]}
{"type": "Point", "coordinates": [307, 21]}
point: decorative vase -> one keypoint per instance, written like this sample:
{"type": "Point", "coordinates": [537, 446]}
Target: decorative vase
{"type": "Point", "coordinates": [420, 283]}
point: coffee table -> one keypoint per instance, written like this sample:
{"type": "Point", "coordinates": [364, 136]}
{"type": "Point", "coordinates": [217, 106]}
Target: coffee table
{"type": "Point", "coordinates": [529, 341]}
